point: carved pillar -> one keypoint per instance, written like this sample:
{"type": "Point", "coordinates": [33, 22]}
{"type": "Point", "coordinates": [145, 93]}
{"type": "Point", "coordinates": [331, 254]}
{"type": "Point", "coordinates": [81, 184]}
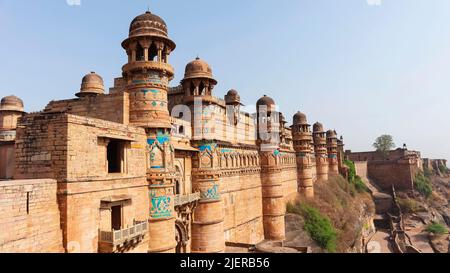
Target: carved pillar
{"type": "Point", "coordinates": [160, 47]}
{"type": "Point", "coordinates": [132, 47]}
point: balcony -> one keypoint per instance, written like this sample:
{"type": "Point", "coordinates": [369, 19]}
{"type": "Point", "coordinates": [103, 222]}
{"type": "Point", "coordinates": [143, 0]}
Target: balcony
{"type": "Point", "coordinates": [117, 238]}
{"type": "Point", "coordinates": [181, 200]}
{"type": "Point", "coordinates": [149, 65]}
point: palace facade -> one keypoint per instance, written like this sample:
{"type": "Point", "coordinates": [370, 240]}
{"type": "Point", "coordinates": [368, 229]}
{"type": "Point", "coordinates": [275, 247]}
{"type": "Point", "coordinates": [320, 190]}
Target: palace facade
{"type": "Point", "coordinates": [153, 168]}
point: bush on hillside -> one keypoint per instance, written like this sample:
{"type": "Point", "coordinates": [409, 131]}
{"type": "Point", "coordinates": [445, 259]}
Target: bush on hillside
{"type": "Point", "coordinates": [352, 170]}
{"type": "Point", "coordinates": [436, 228]}
{"type": "Point", "coordinates": [427, 172]}
{"type": "Point", "coordinates": [443, 169]}
{"type": "Point", "coordinates": [318, 226]}
{"type": "Point", "coordinates": [360, 186]}
{"type": "Point", "coordinates": [423, 185]}
{"type": "Point", "coordinates": [410, 205]}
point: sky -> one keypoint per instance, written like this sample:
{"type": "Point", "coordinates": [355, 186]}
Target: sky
{"type": "Point", "coordinates": [362, 67]}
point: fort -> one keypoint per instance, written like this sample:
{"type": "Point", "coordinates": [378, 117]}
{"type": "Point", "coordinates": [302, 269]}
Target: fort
{"type": "Point", "coordinates": [398, 168]}
{"type": "Point", "coordinates": [153, 168]}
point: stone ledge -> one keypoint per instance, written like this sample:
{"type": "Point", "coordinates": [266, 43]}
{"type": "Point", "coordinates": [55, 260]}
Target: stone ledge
{"type": "Point", "coordinates": [24, 182]}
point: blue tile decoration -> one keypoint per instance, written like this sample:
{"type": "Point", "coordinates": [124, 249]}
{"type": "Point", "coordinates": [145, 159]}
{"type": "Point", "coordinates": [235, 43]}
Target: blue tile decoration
{"type": "Point", "coordinates": [162, 138]}
{"type": "Point", "coordinates": [211, 193]}
{"type": "Point", "coordinates": [160, 207]}
{"type": "Point", "coordinates": [208, 147]}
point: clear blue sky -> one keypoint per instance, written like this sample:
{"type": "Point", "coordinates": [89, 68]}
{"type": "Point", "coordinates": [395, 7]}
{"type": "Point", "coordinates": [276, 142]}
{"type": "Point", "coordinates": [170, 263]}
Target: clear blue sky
{"type": "Point", "coordinates": [362, 69]}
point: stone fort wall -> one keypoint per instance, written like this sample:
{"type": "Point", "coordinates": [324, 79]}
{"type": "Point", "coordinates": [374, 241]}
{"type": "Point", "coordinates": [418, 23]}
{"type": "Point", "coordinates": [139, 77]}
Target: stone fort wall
{"type": "Point", "coordinates": [61, 146]}
{"type": "Point", "coordinates": [387, 174]}
{"type": "Point", "coordinates": [29, 217]}
{"type": "Point", "coordinates": [113, 107]}
{"type": "Point", "coordinates": [7, 160]}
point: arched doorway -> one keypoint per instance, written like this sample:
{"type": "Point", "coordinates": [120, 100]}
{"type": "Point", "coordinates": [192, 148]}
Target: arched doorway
{"type": "Point", "coordinates": [181, 237]}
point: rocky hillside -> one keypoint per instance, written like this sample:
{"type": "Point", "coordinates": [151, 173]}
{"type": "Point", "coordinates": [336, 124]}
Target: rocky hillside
{"type": "Point", "coordinates": [427, 213]}
{"type": "Point", "coordinates": [339, 219]}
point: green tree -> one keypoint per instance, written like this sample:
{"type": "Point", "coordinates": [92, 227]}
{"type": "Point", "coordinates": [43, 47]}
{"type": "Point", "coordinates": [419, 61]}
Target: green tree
{"type": "Point", "coordinates": [384, 144]}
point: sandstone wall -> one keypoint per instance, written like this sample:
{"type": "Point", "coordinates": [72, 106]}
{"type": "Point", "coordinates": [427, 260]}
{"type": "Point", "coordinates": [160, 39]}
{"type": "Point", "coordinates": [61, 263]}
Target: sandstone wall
{"type": "Point", "coordinates": [7, 160]}
{"type": "Point", "coordinates": [361, 168]}
{"type": "Point", "coordinates": [33, 225]}
{"type": "Point", "coordinates": [397, 173]}
{"type": "Point", "coordinates": [290, 186]}
{"type": "Point", "coordinates": [72, 149]}
{"type": "Point", "coordinates": [113, 107]}
{"type": "Point", "coordinates": [242, 198]}
{"type": "Point", "coordinates": [83, 215]}
{"type": "Point", "coordinates": [89, 186]}
{"type": "Point", "coordinates": [41, 147]}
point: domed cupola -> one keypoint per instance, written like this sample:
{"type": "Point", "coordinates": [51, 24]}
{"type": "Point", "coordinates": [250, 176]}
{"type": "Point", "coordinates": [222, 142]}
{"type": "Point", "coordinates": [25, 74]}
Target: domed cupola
{"type": "Point", "coordinates": [11, 103]}
{"type": "Point", "coordinates": [331, 134]}
{"type": "Point", "coordinates": [11, 109]}
{"type": "Point", "coordinates": [198, 69]}
{"type": "Point", "coordinates": [91, 85]}
{"type": "Point", "coordinates": [265, 104]}
{"type": "Point", "coordinates": [198, 79]}
{"type": "Point", "coordinates": [148, 43]}
{"type": "Point", "coordinates": [148, 24]}
{"type": "Point", "coordinates": [300, 119]}
{"type": "Point", "coordinates": [318, 128]}
{"type": "Point", "coordinates": [233, 98]}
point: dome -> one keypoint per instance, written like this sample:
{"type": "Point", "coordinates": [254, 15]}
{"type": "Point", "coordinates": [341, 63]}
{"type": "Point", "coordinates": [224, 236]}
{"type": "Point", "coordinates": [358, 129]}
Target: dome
{"type": "Point", "coordinates": [318, 127]}
{"type": "Point", "coordinates": [265, 101]}
{"type": "Point", "coordinates": [198, 69]}
{"type": "Point", "coordinates": [331, 134]}
{"type": "Point", "coordinates": [300, 118]}
{"type": "Point", "coordinates": [232, 97]}
{"type": "Point", "coordinates": [11, 103]}
{"type": "Point", "coordinates": [91, 84]}
{"type": "Point", "coordinates": [233, 93]}
{"type": "Point", "coordinates": [148, 24]}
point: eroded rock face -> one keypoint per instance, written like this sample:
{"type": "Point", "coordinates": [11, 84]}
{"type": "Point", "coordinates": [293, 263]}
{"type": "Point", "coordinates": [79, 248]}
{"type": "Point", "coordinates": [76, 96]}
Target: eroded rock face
{"type": "Point", "coordinates": [440, 243]}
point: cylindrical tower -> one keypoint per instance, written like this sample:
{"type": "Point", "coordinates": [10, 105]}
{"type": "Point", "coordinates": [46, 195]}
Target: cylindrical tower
{"type": "Point", "coordinates": [320, 149]}
{"type": "Point", "coordinates": [11, 109]}
{"type": "Point", "coordinates": [207, 227]}
{"type": "Point", "coordinates": [268, 140]}
{"type": "Point", "coordinates": [343, 169]}
{"type": "Point", "coordinates": [146, 76]}
{"type": "Point", "coordinates": [302, 136]}
{"type": "Point", "coordinates": [332, 149]}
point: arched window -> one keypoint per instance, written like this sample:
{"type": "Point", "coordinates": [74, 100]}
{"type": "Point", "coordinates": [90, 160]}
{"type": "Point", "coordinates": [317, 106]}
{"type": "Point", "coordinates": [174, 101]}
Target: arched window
{"type": "Point", "coordinates": [140, 53]}
{"type": "Point", "coordinates": [181, 130]}
{"type": "Point", "coordinates": [202, 90]}
{"type": "Point", "coordinates": [192, 89]}
{"type": "Point", "coordinates": [153, 53]}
